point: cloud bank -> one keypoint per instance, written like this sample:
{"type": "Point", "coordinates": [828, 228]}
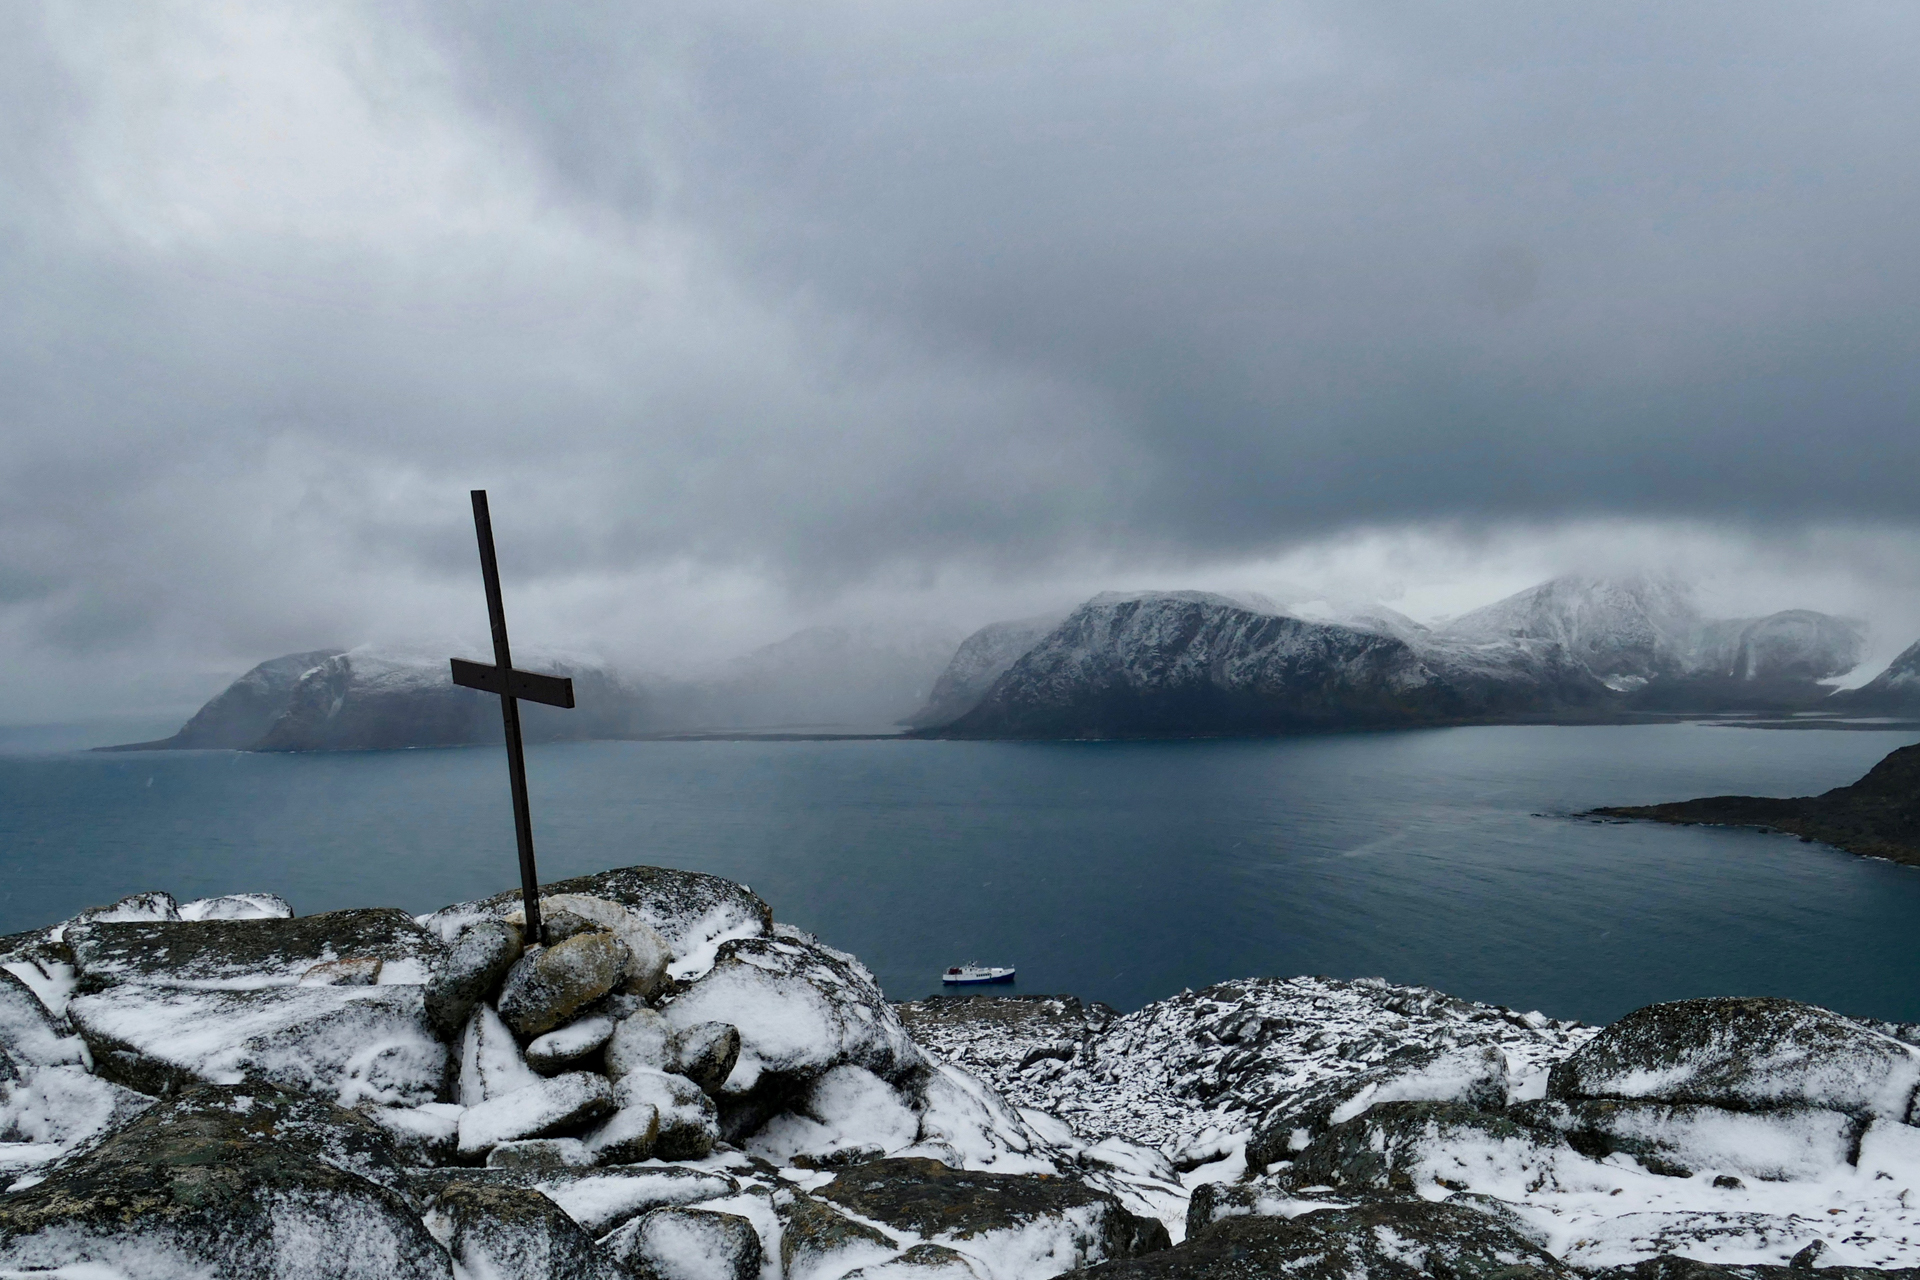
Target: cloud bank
{"type": "Point", "coordinates": [749, 314]}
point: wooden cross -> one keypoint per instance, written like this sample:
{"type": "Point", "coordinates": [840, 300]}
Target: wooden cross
{"type": "Point", "coordinates": [511, 685]}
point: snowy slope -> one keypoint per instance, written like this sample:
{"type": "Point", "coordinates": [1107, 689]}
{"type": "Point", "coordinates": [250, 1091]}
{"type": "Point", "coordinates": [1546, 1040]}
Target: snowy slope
{"type": "Point", "coordinates": [980, 660]}
{"type": "Point", "coordinates": [1626, 631]}
{"type": "Point", "coordinates": [1894, 691]}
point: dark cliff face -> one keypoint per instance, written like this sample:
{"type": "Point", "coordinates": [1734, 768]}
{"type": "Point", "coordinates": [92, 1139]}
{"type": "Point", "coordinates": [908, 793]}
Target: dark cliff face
{"type": "Point", "coordinates": [1186, 663]}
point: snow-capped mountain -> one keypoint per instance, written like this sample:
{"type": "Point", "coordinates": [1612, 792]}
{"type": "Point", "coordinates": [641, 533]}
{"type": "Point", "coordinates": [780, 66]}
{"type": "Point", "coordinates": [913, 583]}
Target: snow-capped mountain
{"type": "Point", "coordinates": [982, 658]}
{"type": "Point", "coordinates": [373, 697]}
{"type": "Point", "coordinates": [1626, 631]}
{"type": "Point", "coordinates": [1194, 662]}
{"type": "Point", "coordinates": [1895, 691]}
{"type": "Point", "coordinates": [240, 715]}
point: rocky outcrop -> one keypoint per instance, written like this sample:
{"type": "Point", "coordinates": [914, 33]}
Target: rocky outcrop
{"type": "Point", "coordinates": [1876, 817]}
{"type": "Point", "coordinates": [762, 1112]}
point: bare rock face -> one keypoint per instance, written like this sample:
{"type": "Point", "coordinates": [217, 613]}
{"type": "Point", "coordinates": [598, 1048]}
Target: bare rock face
{"type": "Point", "coordinates": [688, 1244]}
{"type": "Point", "coordinates": [1382, 1240]}
{"type": "Point", "coordinates": [233, 1183]}
{"type": "Point", "coordinates": [648, 952]}
{"type": "Point", "coordinates": [548, 985]}
{"type": "Point", "coordinates": [249, 953]}
{"type": "Point", "coordinates": [1052, 1217]}
{"type": "Point", "coordinates": [496, 1230]}
{"type": "Point", "coordinates": [815, 1238]}
{"type": "Point", "coordinates": [1744, 1054]}
{"type": "Point", "coordinates": [705, 1053]}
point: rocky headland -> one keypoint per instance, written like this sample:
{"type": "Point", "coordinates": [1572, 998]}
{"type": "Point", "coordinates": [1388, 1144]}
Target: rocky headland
{"type": "Point", "coordinates": [1876, 817]}
{"type": "Point", "coordinates": [669, 1084]}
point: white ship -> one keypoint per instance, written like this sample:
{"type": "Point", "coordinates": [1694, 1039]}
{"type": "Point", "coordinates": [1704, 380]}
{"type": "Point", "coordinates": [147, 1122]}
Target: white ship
{"type": "Point", "coordinates": [976, 973]}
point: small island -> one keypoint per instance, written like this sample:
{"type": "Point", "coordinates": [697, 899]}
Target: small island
{"type": "Point", "coordinates": [1876, 817]}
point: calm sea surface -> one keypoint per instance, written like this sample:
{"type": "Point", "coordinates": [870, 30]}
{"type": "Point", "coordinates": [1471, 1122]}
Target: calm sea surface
{"type": "Point", "coordinates": [1116, 871]}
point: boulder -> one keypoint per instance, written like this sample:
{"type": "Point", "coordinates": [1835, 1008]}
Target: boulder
{"type": "Point", "coordinates": [1475, 1075]}
{"type": "Point", "coordinates": [494, 1230]}
{"type": "Point", "coordinates": [608, 1197]}
{"type": "Point", "coordinates": [801, 1008]}
{"type": "Point", "coordinates": [474, 966]}
{"type": "Point", "coordinates": [541, 1153]}
{"type": "Point", "coordinates": [642, 1041]}
{"type": "Point", "coordinates": [1030, 1224]}
{"type": "Point", "coordinates": [687, 1244]}
{"type": "Point", "coordinates": [1380, 1240]}
{"type": "Point", "coordinates": [247, 953]}
{"type": "Point", "coordinates": [692, 911]}
{"type": "Point", "coordinates": [540, 1110]}
{"type": "Point", "coordinates": [548, 985]}
{"type": "Point", "coordinates": [48, 1112]}
{"type": "Point", "coordinates": [491, 1064]}
{"type": "Point", "coordinates": [1744, 1054]}
{"type": "Point", "coordinates": [241, 1184]}
{"type": "Point", "coordinates": [1404, 1146]}
{"type": "Point", "coordinates": [1678, 1140]}
{"type": "Point", "coordinates": [705, 1053]}
{"type": "Point", "coordinates": [689, 1123]}
{"type": "Point", "coordinates": [815, 1237]}
{"type": "Point", "coordinates": [563, 1046]}
{"type": "Point", "coordinates": [351, 1044]}
{"type": "Point", "coordinates": [649, 952]}
{"type": "Point", "coordinates": [629, 1135]}
{"type": "Point", "coordinates": [238, 906]}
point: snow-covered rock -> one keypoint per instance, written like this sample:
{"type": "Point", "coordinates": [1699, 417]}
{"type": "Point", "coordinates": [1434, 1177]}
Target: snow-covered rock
{"type": "Point", "coordinates": [1626, 631]}
{"type": "Point", "coordinates": [1012, 1225]}
{"type": "Point", "coordinates": [1744, 1054]}
{"type": "Point", "coordinates": [238, 906]}
{"type": "Point", "coordinates": [818, 1240]}
{"type": "Point", "coordinates": [494, 1230]}
{"type": "Point", "coordinates": [648, 954]}
{"type": "Point", "coordinates": [547, 985]}
{"type": "Point", "coordinates": [563, 1046]}
{"type": "Point", "coordinates": [801, 1008]}
{"type": "Point", "coordinates": [547, 1107]}
{"type": "Point", "coordinates": [245, 954]}
{"type": "Point", "coordinates": [254, 1185]}
{"type": "Point", "coordinates": [476, 961]}
{"type": "Point", "coordinates": [1383, 1240]}
{"type": "Point", "coordinates": [491, 1063]}
{"type": "Point", "coordinates": [1474, 1074]}
{"type": "Point", "coordinates": [847, 1112]}
{"type": "Point", "coordinates": [695, 913]}
{"type": "Point", "coordinates": [688, 1244]}
{"type": "Point", "coordinates": [685, 1122]}
{"type": "Point", "coordinates": [350, 1044]}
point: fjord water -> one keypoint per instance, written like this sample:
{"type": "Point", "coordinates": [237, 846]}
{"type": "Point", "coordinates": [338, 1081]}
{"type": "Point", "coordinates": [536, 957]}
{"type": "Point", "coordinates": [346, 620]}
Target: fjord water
{"type": "Point", "coordinates": [1116, 871]}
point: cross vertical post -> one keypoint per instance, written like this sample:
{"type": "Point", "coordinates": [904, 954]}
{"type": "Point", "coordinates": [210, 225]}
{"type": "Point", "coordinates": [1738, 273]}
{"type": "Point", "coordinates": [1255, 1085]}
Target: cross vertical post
{"type": "Point", "coordinates": [511, 685]}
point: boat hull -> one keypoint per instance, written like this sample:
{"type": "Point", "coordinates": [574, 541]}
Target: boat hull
{"type": "Point", "coordinates": [976, 978]}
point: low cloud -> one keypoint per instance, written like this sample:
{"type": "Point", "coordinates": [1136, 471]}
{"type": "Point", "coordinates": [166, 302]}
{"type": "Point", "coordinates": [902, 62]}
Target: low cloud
{"type": "Point", "coordinates": [751, 316]}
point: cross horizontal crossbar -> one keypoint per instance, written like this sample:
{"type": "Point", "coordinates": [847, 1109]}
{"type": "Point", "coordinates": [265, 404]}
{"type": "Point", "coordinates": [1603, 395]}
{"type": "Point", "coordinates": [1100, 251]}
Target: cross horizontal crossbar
{"type": "Point", "coordinates": [555, 691]}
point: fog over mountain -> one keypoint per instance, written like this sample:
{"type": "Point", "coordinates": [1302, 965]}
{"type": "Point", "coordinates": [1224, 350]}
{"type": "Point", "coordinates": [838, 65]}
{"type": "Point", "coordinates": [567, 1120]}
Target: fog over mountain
{"type": "Point", "coordinates": [878, 318]}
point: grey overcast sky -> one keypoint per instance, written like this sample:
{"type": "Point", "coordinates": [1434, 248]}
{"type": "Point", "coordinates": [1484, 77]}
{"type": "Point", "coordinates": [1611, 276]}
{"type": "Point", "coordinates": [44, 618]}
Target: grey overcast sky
{"type": "Point", "coordinates": [756, 314]}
